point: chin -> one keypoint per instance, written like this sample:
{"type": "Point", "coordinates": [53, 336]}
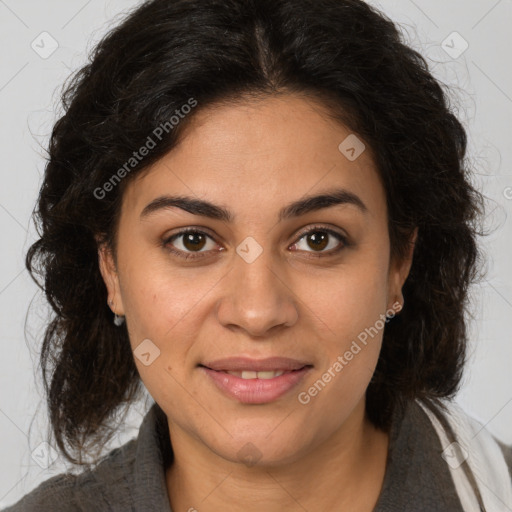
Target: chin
{"type": "Point", "coordinates": [260, 450]}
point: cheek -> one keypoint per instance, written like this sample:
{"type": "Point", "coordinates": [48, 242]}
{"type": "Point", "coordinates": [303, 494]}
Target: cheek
{"type": "Point", "coordinates": [165, 311]}
{"type": "Point", "coordinates": [157, 298]}
{"type": "Point", "coordinates": [349, 300]}
{"type": "Point", "coordinates": [349, 353]}
{"type": "Point", "coordinates": [349, 314]}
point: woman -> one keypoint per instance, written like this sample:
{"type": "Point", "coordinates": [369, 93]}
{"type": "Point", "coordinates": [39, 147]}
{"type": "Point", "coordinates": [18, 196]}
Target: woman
{"type": "Point", "coordinates": [260, 211]}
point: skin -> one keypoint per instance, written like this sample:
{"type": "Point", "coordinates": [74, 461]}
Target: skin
{"type": "Point", "coordinates": [254, 158]}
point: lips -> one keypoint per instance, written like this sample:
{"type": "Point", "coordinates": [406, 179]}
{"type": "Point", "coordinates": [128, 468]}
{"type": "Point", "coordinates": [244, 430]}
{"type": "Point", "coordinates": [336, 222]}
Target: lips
{"type": "Point", "coordinates": [245, 364]}
{"type": "Point", "coordinates": [256, 390]}
{"type": "Point", "coordinates": [255, 381]}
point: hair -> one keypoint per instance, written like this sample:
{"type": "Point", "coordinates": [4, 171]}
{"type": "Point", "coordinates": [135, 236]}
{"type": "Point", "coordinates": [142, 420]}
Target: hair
{"type": "Point", "coordinates": [344, 54]}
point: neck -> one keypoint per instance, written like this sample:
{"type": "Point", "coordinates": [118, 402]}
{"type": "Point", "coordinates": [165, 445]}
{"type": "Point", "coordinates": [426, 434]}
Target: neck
{"type": "Point", "coordinates": [344, 471]}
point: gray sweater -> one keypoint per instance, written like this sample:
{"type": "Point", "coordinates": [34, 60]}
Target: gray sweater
{"type": "Point", "coordinates": [131, 478]}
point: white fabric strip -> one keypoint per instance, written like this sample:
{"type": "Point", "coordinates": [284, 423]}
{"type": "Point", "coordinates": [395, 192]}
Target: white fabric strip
{"type": "Point", "coordinates": [484, 457]}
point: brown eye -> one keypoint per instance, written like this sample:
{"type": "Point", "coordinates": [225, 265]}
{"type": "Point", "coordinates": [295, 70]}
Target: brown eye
{"type": "Point", "coordinates": [318, 239]}
{"type": "Point", "coordinates": [193, 241]}
{"type": "Point", "coordinates": [189, 243]}
{"type": "Point", "coordinates": [185, 243]}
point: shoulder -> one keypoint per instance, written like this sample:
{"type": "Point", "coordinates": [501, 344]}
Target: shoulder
{"type": "Point", "coordinates": [102, 488]}
{"type": "Point", "coordinates": [53, 494]}
{"type": "Point", "coordinates": [470, 433]}
{"type": "Point", "coordinates": [478, 462]}
{"type": "Point", "coordinates": [415, 472]}
{"type": "Point", "coordinates": [440, 458]}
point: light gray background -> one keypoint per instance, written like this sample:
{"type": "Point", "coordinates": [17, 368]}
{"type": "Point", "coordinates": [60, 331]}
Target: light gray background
{"type": "Point", "coordinates": [482, 80]}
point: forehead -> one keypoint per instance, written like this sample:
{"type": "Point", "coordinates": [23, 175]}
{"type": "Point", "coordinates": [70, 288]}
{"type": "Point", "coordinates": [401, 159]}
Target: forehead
{"type": "Point", "coordinates": [256, 155]}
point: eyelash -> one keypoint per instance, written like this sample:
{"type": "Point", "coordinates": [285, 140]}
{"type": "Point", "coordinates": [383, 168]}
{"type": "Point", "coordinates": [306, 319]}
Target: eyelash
{"type": "Point", "coordinates": [315, 229]}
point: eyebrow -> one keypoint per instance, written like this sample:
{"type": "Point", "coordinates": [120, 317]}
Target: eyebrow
{"type": "Point", "coordinates": [295, 209]}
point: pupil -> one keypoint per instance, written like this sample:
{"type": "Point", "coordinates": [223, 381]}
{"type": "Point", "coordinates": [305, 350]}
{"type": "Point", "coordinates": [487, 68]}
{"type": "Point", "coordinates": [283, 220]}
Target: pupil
{"type": "Point", "coordinates": [193, 239]}
{"type": "Point", "coordinates": [319, 241]}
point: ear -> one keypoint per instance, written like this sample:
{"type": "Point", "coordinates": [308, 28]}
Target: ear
{"type": "Point", "coordinates": [111, 278]}
{"type": "Point", "coordinates": [399, 270]}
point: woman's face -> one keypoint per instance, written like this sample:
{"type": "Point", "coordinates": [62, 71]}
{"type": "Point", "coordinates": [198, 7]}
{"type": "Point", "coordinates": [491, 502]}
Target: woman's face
{"type": "Point", "coordinates": [257, 285]}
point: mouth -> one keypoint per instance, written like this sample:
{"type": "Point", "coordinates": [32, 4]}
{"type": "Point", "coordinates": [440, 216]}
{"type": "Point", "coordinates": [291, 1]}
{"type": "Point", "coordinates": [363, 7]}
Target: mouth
{"type": "Point", "coordinates": [242, 364]}
{"type": "Point", "coordinates": [252, 374]}
{"type": "Point", "coordinates": [253, 381]}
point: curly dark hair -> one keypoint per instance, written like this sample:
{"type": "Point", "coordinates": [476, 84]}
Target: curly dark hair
{"type": "Point", "coordinates": [348, 56]}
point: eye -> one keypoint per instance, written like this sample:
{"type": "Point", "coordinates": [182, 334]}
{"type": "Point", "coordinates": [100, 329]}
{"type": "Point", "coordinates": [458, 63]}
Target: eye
{"type": "Point", "coordinates": [189, 241]}
{"type": "Point", "coordinates": [320, 238]}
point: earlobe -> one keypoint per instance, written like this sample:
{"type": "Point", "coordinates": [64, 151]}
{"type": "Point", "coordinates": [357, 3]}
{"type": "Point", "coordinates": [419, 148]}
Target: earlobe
{"type": "Point", "coordinates": [401, 273]}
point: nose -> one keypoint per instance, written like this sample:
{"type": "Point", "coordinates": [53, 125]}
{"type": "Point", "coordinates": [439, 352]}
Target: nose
{"type": "Point", "coordinates": [256, 298]}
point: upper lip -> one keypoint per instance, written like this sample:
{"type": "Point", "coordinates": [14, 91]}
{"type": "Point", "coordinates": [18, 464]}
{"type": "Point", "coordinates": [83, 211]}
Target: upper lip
{"type": "Point", "coordinates": [234, 364]}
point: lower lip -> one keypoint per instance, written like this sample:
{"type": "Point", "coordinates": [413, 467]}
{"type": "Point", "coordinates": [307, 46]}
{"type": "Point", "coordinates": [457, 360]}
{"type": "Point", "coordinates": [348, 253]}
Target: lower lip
{"type": "Point", "coordinates": [256, 391]}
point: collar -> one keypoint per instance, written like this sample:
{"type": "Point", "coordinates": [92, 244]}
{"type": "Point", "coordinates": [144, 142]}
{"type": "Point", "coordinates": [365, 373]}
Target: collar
{"type": "Point", "coordinates": [153, 455]}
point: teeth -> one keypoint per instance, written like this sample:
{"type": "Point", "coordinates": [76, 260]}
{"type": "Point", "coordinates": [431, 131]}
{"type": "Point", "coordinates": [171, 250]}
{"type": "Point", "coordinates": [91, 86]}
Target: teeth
{"type": "Point", "coordinates": [257, 375]}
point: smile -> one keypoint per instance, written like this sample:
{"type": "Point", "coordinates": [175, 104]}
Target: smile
{"type": "Point", "coordinates": [251, 387]}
